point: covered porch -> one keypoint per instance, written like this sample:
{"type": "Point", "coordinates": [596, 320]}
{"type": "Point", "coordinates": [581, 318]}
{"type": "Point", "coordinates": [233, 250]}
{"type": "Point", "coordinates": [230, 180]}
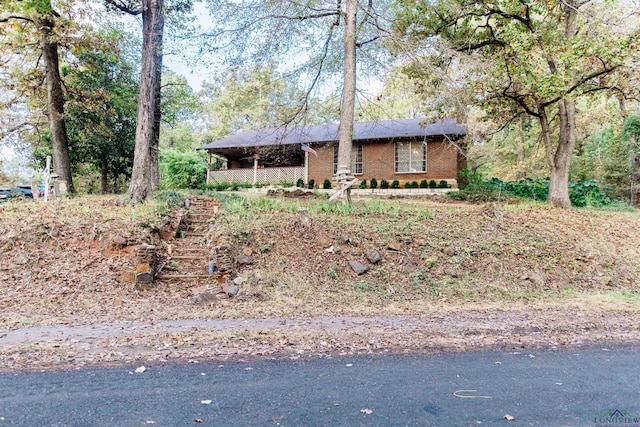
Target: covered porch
{"type": "Point", "coordinates": [261, 175]}
{"type": "Point", "coordinates": [263, 166]}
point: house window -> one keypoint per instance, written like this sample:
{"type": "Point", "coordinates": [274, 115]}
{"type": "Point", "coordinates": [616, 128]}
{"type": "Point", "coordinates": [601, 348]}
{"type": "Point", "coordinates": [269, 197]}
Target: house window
{"type": "Point", "coordinates": [356, 159]}
{"type": "Point", "coordinates": [410, 157]}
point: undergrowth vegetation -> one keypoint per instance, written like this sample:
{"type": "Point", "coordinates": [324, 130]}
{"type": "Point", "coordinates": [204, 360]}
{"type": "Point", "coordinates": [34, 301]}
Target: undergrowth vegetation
{"type": "Point", "coordinates": [582, 194]}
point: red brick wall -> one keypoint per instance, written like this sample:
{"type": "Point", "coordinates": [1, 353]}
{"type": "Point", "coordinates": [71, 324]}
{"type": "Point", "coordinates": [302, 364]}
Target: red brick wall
{"type": "Point", "coordinates": [378, 162]}
{"type": "Point", "coordinates": [321, 167]}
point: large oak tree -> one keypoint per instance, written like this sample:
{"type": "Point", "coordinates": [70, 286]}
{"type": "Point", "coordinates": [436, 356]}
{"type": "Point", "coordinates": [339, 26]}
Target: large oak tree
{"type": "Point", "coordinates": [530, 57]}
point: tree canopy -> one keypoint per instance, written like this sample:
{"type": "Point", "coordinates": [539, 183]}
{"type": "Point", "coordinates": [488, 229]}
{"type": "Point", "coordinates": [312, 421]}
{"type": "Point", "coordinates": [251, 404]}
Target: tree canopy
{"type": "Point", "coordinates": [534, 58]}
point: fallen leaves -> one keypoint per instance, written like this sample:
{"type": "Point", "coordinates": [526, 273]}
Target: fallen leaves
{"type": "Point", "coordinates": [79, 283]}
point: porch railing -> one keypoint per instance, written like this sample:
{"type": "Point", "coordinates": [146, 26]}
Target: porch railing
{"type": "Point", "coordinates": [261, 175]}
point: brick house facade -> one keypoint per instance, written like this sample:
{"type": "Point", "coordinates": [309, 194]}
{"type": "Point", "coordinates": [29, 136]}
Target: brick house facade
{"type": "Point", "coordinates": [379, 162]}
{"type": "Point", "coordinates": [403, 150]}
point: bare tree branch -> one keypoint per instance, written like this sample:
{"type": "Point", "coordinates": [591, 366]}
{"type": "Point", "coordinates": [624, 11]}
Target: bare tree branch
{"type": "Point", "coordinates": [124, 7]}
{"type": "Point", "coordinates": [15, 17]}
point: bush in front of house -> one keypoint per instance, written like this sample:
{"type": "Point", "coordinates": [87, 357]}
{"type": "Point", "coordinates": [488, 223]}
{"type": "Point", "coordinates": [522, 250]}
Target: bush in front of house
{"type": "Point", "coordinates": [182, 169]}
{"type": "Point", "coordinates": [221, 185]}
{"type": "Point", "coordinates": [311, 184]}
{"type": "Point", "coordinates": [443, 184]}
{"type": "Point", "coordinates": [326, 184]}
{"type": "Point", "coordinates": [384, 184]}
{"type": "Point", "coordinates": [300, 183]}
{"type": "Point", "coordinates": [424, 184]}
{"type": "Point", "coordinates": [432, 184]}
{"type": "Point", "coordinates": [395, 184]}
{"type": "Point", "coordinates": [374, 183]}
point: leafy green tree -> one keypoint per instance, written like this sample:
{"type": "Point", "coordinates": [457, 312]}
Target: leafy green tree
{"type": "Point", "coordinates": [630, 148]}
{"type": "Point", "coordinates": [399, 99]}
{"type": "Point", "coordinates": [181, 125]}
{"type": "Point", "coordinates": [244, 99]}
{"type": "Point", "coordinates": [31, 33]}
{"type": "Point", "coordinates": [534, 58]}
{"type": "Point", "coordinates": [101, 109]}
{"type": "Point", "coordinates": [182, 169]}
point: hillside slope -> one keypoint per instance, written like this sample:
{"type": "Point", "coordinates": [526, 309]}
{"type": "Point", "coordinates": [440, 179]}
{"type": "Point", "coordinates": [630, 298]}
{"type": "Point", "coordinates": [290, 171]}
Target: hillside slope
{"type": "Point", "coordinates": [70, 262]}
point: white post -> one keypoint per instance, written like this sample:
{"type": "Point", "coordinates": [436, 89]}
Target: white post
{"type": "Point", "coordinates": [255, 169]}
{"type": "Point", "coordinates": [47, 172]}
{"type": "Point", "coordinates": [306, 168]}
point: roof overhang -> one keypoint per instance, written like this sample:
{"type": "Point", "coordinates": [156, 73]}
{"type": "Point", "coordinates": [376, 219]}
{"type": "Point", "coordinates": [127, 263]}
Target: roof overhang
{"type": "Point", "coordinates": [249, 141]}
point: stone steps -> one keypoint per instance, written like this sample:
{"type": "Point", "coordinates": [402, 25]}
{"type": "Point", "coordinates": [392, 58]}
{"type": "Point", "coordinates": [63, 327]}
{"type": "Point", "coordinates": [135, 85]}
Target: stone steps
{"type": "Point", "coordinates": [189, 256]}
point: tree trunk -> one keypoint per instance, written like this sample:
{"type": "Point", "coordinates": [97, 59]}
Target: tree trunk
{"type": "Point", "coordinates": [520, 174]}
{"type": "Point", "coordinates": [559, 156]}
{"type": "Point", "coordinates": [144, 175]}
{"type": "Point", "coordinates": [55, 105]}
{"type": "Point", "coordinates": [348, 93]}
{"type": "Point", "coordinates": [104, 176]}
{"type": "Point", "coordinates": [157, 117]}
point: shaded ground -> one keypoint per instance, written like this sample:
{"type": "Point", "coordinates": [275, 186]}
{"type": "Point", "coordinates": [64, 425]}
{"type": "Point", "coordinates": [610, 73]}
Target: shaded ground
{"type": "Point", "coordinates": [452, 277]}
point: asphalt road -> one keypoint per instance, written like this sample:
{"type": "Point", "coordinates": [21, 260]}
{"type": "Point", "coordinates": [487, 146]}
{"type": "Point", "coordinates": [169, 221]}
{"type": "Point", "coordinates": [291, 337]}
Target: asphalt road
{"type": "Point", "coordinates": [578, 387]}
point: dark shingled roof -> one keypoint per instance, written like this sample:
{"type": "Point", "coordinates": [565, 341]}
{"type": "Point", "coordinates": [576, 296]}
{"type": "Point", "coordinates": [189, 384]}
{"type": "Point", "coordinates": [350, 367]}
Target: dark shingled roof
{"type": "Point", "coordinates": [364, 131]}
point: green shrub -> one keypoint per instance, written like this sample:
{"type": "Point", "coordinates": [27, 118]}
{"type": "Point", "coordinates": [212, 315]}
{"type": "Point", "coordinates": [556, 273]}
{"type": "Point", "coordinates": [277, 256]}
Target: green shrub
{"type": "Point", "coordinates": [424, 184]}
{"type": "Point", "coordinates": [585, 193]}
{"type": "Point", "coordinates": [432, 184]}
{"type": "Point", "coordinates": [300, 183]}
{"type": "Point", "coordinates": [221, 186]}
{"type": "Point", "coordinates": [588, 193]}
{"type": "Point", "coordinates": [443, 184]}
{"type": "Point", "coordinates": [467, 177]}
{"type": "Point", "coordinates": [311, 184]}
{"type": "Point", "coordinates": [374, 183]}
{"type": "Point", "coordinates": [363, 184]}
{"type": "Point", "coordinates": [182, 169]}
{"type": "Point", "coordinates": [286, 184]}
{"type": "Point", "coordinates": [235, 186]}
{"type": "Point", "coordinates": [407, 184]}
{"type": "Point", "coordinates": [326, 184]}
{"type": "Point", "coordinates": [383, 184]}
{"type": "Point", "coordinates": [395, 184]}
{"type": "Point", "coordinates": [414, 184]}
{"type": "Point", "coordinates": [258, 185]}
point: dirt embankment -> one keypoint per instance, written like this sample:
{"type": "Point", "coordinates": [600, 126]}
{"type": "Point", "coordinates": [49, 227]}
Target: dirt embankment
{"type": "Point", "coordinates": [451, 277]}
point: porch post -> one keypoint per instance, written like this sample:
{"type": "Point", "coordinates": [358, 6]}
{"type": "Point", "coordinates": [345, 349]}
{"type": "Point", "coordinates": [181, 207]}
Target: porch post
{"type": "Point", "coordinates": [306, 168]}
{"type": "Point", "coordinates": [255, 168]}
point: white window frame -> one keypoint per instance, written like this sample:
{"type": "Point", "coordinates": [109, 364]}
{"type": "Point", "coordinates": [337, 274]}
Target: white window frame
{"type": "Point", "coordinates": [415, 164]}
{"type": "Point", "coordinates": [357, 159]}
